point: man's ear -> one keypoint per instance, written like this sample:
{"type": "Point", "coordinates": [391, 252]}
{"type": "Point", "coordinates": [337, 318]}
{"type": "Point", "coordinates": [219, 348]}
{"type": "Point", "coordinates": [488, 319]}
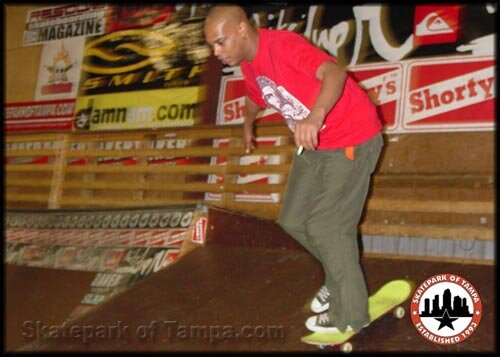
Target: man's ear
{"type": "Point", "coordinates": [243, 29]}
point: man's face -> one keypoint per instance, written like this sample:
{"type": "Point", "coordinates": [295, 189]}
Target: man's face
{"type": "Point", "coordinates": [227, 40]}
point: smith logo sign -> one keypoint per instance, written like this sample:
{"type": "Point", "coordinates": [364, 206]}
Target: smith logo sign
{"type": "Point", "coordinates": [139, 59]}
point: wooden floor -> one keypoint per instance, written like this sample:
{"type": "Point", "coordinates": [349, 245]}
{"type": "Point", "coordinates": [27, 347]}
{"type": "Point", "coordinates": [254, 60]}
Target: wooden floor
{"type": "Point", "coordinates": [222, 297]}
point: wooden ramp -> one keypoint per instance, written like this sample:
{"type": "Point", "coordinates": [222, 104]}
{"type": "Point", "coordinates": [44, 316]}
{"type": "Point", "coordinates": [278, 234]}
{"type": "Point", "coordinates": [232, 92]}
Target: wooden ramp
{"type": "Point", "coordinates": [248, 289]}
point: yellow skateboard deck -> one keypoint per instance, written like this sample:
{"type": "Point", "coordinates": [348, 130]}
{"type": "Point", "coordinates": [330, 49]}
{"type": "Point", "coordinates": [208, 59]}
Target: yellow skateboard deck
{"type": "Point", "coordinates": [388, 297]}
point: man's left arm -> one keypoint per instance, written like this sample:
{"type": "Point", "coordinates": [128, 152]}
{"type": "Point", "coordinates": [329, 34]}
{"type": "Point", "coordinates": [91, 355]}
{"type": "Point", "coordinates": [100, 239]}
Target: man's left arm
{"type": "Point", "coordinates": [332, 77]}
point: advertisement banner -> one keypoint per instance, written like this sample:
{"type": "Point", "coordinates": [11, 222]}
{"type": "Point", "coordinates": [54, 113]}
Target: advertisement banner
{"type": "Point", "coordinates": [391, 51]}
{"type": "Point", "coordinates": [139, 59]}
{"type": "Point", "coordinates": [453, 93]}
{"type": "Point", "coordinates": [124, 17]}
{"type": "Point", "coordinates": [59, 72]}
{"type": "Point", "coordinates": [146, 73]}
{"type": "Point", "coordinates": [450, 94]}
{"type": "Point", "coordinates": [384, 84]}
{"type": "Point", "coordinates": [64, 21]}
{"type": "Point", "coordinates": [378, 32]}
{"type": "Point", "coordinates": [51, 115]}
{"type": "Point", "coordinates": [248, 178]}
{"type": "Point", "coordinates": [151, 109]}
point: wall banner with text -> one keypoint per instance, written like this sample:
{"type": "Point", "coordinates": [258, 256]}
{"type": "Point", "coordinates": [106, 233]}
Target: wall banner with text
{"type": "Point", "coordinates": [54, 115]}
{"type": "Point", "coordinates": [64, 21]}
{"type": "Point", "coordinates": [152, 109]}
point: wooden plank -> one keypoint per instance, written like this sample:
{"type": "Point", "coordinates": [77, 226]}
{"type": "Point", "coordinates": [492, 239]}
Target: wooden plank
{"type": "Point", "coordinates": [450, 206]}
{"type": "Point", "coordinates": [199, 132]}
{"type": "Point", "coordinates": [191, 152]}
{"type": "Point", "coordinates": [179, 169]}
{"type": "Point", "coordinates": [28, 167]}
{"type": "Point", "coordinates": [175, 187]}
{"type": "Point", "coordinates": [24, 152]}
{"type": "Point", "coordinates": [428, 231]}
{"type": "Point", "coordinates": [33, 182]}
{"type": "Point", "coordinates": [26, 197]}
{"type": "Point", "coordinates": [24, 137]}
{"type": "Point", "coordinates": [68, 201]}
{"type": "Point", "coordinates": [406, 257]}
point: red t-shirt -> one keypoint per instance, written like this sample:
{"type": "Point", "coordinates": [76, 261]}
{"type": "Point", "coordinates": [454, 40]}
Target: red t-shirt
{"type": "Point", "coordinates": [283, 76]}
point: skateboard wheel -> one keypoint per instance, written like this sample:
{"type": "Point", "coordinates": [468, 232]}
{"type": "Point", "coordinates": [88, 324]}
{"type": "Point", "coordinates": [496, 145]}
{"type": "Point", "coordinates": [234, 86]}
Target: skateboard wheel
{"type": "Point", "coordinates": [399, 312]}
{"type": "Point", "coordinates": [153, 221]}
{"type": "Point", "coordinates": [81, 221]}
{"type": "Point", "coordinates": [164, 220]}
{"type": "Point", "coordinates": [175, 219]}
{"type": "Point", "coordinates": [186, 219]}
{"type": "Point", "coordinates": [65, 222]}
{"type": "Point", "coordinates": [73, 221]}
{"type": "Point", "coordinates": [115, 222]}
{"type": "Point", "coordinates": [106, 221]}
{"type": "Point", "coordinates": [143, 222]}
{"type": "Point", "coordinates": [42, 222]}
{"type": "Point", "coordinates": [124, 221]}
{"type": "Point", "coordinates": [89, 221]}
{"type": "Point", "coordinates": [346, 347]}
{"type": "Point", "coordinates": [59, 222]}
{"type": "Point", "coordinates": [134, 220]}
{"type": "Point", "coordinates": [98, 221]}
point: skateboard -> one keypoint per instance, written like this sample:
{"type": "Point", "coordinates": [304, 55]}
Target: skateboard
{"type": "Point", "coordinates": [386, 299]}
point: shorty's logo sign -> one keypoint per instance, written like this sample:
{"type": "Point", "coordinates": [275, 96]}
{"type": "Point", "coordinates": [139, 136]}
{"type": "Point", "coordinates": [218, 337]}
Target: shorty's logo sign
{"type": "Point", "coordinates": [446, 309]}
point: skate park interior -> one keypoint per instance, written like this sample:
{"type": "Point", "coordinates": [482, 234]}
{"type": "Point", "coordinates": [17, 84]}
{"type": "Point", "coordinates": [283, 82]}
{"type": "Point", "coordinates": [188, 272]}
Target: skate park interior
{"type": "Point", "coordinates": [152, 232]}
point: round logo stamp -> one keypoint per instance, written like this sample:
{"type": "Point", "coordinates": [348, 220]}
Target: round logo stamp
{"type": "Point", "coordinates": [446, 309]}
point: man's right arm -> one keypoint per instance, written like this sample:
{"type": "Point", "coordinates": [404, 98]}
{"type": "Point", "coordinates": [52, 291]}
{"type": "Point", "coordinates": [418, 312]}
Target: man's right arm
{"type": "Point", "coordinates": [252, 109]}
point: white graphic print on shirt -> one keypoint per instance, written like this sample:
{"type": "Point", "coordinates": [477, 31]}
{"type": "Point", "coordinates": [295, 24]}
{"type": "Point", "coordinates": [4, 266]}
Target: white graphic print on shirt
{"type": "Point", "coordinates": [286, 104]}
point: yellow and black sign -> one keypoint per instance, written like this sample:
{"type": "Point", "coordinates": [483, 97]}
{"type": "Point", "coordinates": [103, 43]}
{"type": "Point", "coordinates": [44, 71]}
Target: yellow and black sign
{"type": "Point", "coordinates": [159, 108]}
{"type": "Point", "coordinates": [142, 59]}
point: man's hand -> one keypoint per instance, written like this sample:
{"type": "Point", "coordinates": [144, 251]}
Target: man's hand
{"type": "Point", "coordinates": [306, 130]}
{"type": "Point", "coordinates": [251, 111]}
{"type": "Point", "coordinates": [248, 138]}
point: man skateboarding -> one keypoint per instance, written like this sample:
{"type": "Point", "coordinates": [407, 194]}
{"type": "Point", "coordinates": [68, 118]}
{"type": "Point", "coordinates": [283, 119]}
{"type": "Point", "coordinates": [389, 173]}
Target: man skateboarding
{"type": "Point", "coordinates": [340, 134]}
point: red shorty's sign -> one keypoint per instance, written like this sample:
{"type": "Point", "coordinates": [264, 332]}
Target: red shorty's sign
{"type": "Point", "coordinates": [449, 94]}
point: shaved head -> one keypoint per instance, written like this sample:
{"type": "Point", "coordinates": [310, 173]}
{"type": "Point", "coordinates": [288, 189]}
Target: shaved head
{"type": "Point", "coordinates": [226, 13]}
{"type": "Point", "coordinates": [229, 32]}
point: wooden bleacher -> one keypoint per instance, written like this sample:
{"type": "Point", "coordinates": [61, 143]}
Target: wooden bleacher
{"type": "Point", "coordinates": [426, 197]}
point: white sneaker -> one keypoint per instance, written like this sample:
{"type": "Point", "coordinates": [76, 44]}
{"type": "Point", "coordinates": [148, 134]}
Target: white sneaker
{"type": "Point", "coordinates": [321, 323]}
{"type": "Point", "coordinates": [320, 302]}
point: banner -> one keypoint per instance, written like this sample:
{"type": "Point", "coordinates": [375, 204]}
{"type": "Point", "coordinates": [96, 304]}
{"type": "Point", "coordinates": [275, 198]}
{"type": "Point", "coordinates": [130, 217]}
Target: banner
{"type": "Point", "coordinates": [169, 56]}
{"type": "Point", "coordinates": [427, 68]}
{"type": "Point", "coordinates": [124, 17]}
{"type": "Point", "coordinates": [245, 196]}
{"type": "Point", "coordinates": [37, 116]}
{"type": "Point", "coordinates": [152, 109]}
{"type": "Point", "coordinates": [450, 94]}
{"type": "Point", "coordinates": [64, 21]}
{"type": "Point", "coordinates": [374, 33]}
{"type": "Point", "coordinates": [143, 77]}
{"type": "Point", "coordinates": [59, 72]}
{"type": "Point", "coordinates": [422, 95]}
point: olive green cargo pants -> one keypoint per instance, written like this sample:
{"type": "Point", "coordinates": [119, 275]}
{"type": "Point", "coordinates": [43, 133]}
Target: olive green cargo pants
{"type": "Point", "coordinates": [322, 208]}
